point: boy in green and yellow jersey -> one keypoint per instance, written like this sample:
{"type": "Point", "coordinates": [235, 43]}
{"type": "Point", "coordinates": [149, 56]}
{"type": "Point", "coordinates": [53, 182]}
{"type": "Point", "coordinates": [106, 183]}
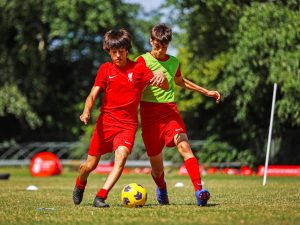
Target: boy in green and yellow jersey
{"type": "Point", "coordinates": [161, 122]}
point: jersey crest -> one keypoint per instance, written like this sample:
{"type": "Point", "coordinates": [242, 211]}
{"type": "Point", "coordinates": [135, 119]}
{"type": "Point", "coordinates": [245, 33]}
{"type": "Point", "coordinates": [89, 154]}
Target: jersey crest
{"type": "Point", "coordinates": [130, 77]}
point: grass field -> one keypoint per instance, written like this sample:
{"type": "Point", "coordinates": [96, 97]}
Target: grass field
{"type": "Point", "coordinates": [234, 200]}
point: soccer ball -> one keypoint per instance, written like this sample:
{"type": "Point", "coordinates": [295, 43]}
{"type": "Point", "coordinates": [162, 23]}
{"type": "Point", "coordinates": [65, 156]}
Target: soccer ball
{"type": "Point", "coordinates": [134, 195]}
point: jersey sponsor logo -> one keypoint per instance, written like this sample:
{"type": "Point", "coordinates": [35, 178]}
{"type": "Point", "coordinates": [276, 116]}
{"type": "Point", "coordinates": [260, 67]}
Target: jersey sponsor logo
{"type": "Point", "coordinates": [111, 77]}
{"type": "Point", "coordinates": [130, 77]}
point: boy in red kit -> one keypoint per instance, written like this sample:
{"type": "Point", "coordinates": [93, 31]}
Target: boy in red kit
{"type": "Point", "coordinates": [122, 82]}
{"type": "Point", "coordinates": [161, 122]}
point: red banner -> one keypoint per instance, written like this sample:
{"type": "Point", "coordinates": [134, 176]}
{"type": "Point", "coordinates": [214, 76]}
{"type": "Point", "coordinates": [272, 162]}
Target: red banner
{"type": "Point", "coordinates": [106, 168]}
{"type": "Point", "coordinates": [280, 170]}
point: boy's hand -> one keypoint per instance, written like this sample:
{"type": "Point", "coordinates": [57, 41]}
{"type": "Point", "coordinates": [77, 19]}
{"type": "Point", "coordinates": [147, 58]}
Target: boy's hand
{"type": "Point", "coordinates": [214, 94]}
{"type": "Point", "coordinates": [158, 78]}
{"type": "Point", "coordinates": [85, 117]}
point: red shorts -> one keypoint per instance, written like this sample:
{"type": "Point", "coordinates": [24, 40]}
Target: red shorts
{"type": "Point", "coordinates": [107, 139]}
{"type": "Point", "coordinates": [159, 130]}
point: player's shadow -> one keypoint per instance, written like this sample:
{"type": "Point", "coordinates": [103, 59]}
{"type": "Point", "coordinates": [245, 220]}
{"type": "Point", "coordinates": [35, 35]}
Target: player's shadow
{"type": "Point", "coordinates": [177, 204]}
{"type": "Point", "coordinates": [191, 204]}
{"type": "Point", "coordinates": [156, 205]}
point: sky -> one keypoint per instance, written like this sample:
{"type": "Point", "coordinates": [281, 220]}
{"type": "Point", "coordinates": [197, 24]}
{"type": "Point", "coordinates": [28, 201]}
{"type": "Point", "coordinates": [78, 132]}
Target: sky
{"type": "Point", "coordinates": [147, 4]}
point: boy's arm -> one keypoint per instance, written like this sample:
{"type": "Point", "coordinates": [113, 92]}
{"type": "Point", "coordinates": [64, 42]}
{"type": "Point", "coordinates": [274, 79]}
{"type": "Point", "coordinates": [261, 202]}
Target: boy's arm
{"type": "Point", "coordinates": [89, 102]}
{"type": "Point", "coordinates": [182, 82]}
{"type": "Point", "coordinates": [160, 80]}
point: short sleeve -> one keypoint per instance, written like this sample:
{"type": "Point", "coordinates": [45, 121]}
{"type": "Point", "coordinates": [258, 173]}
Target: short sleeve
{"type": "Point", "coordinates": [147, 74]}
{"type": "Point", "coordinates": [178, 72]}
{"type": "Point", "coordinates": [101, 77]}
{"type": "Point", "coordinates": [140, 59]}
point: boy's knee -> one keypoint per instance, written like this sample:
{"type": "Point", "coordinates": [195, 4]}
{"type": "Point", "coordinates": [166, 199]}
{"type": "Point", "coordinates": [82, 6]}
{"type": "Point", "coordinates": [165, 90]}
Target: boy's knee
{"type": "Point", "coordinates": [184, 149]}
{"type": "Point", "coordinates": [184, 146]}
{"type": "Point", "coordinates": [122, 152]}
{"type": "Point", "coordinates": [121, 159]}
{"type": "Point", "coordinates": [121, 156]}
{"type": "Point", "coordinates": [88, 166]}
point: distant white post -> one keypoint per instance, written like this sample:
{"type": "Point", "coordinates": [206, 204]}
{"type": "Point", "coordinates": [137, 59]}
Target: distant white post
{"type": "Point", "coordinates": [270, 135]}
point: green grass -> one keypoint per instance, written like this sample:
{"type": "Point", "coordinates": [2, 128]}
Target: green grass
{"type": "Point", "coordinates": [234, 200]}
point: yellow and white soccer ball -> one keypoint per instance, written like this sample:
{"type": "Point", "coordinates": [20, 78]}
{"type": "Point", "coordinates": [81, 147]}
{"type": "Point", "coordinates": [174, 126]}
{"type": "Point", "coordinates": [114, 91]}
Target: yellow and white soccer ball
{"type": "Point", "coordinates": [134, 195]}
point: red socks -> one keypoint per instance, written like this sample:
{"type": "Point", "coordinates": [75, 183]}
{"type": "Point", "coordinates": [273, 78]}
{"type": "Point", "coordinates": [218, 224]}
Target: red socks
{"type": "Point", "coordinates": [160, 181]}
{"type": "Point", "coordinates": [80, 185]}
{"type": "Point", "coordinates": [192, 168]}
{"type": "Point", "coordinates": [102, 193]}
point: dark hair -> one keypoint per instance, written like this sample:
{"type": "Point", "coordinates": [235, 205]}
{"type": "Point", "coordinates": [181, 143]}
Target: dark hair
{"type": "Point", "coordinates": [117, 39]}
{"type": "Point", "coordinates": [162, 33]}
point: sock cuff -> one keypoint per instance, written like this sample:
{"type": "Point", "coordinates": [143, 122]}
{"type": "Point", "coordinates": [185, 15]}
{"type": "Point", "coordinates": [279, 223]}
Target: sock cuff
{"type": "Point", "coordinates": [160, 181]}
{"type": "Point", "coordinates": [102, 193]}
{"type": "Point", "coordinates": [191, 161]}
{"type": "Point", "coordinates": [80, 185]}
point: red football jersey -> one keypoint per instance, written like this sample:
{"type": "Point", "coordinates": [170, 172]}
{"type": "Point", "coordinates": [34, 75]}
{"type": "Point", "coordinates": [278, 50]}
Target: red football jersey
{"type": "Point", "coordinates": [122, 88]}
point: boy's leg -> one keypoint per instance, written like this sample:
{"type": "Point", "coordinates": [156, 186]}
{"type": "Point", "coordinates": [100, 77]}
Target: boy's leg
{"type": "Point", "coordinates": [121, 155]}
{"type": "Point", "coordinates": [85, 169]}
{"type": "Point", "coordinates": [158, 176]}
{"type": "Point", "coordinates": [157, 171]}
{"type": "Point", "coordinates": [154, 144]}
{"type": "Point", "coordinates": [190, 161]}
{"type": "Point", "coordinates": [192, 167]}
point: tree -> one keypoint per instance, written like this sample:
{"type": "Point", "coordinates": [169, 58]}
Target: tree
{"type": "Point", "coordinates": [49, 55]}
{"type": "Point", "coordinates": [265, 51]}
{"type": "Point", "coordinates": [242, 48]}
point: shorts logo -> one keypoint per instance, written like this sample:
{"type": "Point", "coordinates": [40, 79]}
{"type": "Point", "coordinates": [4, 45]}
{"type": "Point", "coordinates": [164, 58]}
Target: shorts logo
{"type": "Point", "coordinates": [178, 129]}
{"type": "Point", "coordinates": [130, 77]}
{"type": "Point", "coordinates": [126, 142]}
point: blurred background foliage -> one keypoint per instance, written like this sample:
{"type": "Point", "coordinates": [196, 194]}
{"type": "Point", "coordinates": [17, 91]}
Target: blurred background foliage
{"type": "Point", "coordinates": [50, 52]}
